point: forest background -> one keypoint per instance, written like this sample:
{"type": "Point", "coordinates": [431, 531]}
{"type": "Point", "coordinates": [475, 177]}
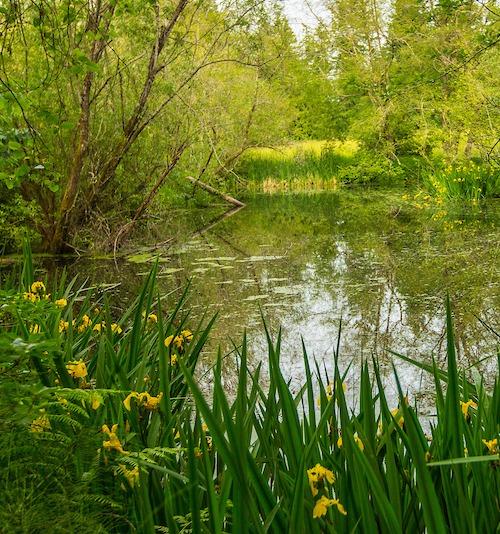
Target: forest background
{"type": "Point", "coordinates": [107, 106]}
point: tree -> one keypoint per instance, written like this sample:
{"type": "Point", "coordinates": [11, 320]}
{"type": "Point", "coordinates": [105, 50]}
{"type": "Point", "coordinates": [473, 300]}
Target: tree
{"type": "Point", "coordinates": [93, 91]}
{"type": "Point", "coordinates": [413, 76]}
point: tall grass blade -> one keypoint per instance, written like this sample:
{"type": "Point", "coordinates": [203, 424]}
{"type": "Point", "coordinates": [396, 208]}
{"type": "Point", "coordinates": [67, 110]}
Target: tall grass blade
{"type": "Point", "coordinates": [433, 516]}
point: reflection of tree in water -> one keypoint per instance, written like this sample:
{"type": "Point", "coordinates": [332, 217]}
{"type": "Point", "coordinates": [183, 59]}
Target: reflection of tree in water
{"type": "Point", "coordinates": [384, 311]}
{"type": "Point", "coordinates": [388, 284]}
{"type": "Point", "coordinates": [308, 261]}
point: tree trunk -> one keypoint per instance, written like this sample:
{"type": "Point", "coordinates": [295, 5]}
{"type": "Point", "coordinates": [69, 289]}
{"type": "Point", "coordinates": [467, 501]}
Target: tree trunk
{"type": "Point", "coordinates": [98, 20]}
{"type": "Point", "coordinates": [60, 241]}
{"type": "Point", "coordinates": [135, 124]}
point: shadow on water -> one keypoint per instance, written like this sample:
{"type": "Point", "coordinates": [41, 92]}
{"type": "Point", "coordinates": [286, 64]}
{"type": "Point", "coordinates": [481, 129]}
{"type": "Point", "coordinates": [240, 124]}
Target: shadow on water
{"type": "Point", "coordinates": [306, 262]}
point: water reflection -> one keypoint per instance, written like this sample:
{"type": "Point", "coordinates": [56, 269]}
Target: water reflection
{"type": "Point", "coordinates": [310, 264]}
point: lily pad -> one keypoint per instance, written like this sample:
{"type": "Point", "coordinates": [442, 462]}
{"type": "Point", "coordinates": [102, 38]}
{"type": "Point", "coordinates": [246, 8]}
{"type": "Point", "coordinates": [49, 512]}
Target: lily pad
{"type": "Point", "coordinates": [260, 258]}
{"type": "Point", "coordinates": [141, 258]}
{"type": "Point", "coordinates": [222, 258]}
{"type": "Point", "coordinates": [257, 297]}
{"type": "Point", "coordinates": [286, 290]}
{"type": "Point", "coordinates": [216, 265]}
{"type": "Point", "coordinates": [170, 270]}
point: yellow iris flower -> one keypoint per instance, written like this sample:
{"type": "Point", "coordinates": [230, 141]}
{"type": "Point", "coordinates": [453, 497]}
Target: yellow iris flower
{"type": "Point", "coordinates": [113, 442]}
{"type": "Point", "coordinates": [86, 322]}
{"type": "Point", "coordinates": [38, 287]}
{"type": "Point", "coordinates": [77, 368]}
{"type": "Point", "coordinates": [40, 424]}
{"type": "Point", "coordinates": [324, 503]}
{"type": "Point", "coordinates": [317, 474]}
{"type": "Point", "coordinates": [132, 475]}
{"type": "Point", "coordinates": [145, 399]}
{"type": "Point", "coordinates": [492, 445]}
{"type": "Point", "coordinates": [179, 341]}
{"type": "Point", "coordinates": [465, 407]}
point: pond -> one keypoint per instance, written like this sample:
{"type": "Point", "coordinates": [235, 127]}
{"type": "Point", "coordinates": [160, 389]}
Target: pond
{"type": "Point", "coordinates": [365, 260]}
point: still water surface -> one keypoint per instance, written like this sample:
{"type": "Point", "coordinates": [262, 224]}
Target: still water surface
{"type": "Point", "coordinates": [365, 260]}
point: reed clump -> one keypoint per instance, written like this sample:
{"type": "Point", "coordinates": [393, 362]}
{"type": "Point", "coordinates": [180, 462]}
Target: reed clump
{"type": "Point", "coordinates": [304, 166]}
{"type": "Point", "coordinates": [105, 428]}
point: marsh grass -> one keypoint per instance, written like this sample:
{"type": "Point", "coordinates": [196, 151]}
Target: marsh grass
{"type": "Point", "coordinates": [131, 443]}
{"type": "Point", "coordinates": [308, 165]}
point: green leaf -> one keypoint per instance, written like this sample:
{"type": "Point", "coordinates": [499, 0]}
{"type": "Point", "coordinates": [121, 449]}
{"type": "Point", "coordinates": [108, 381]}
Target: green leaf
{"type": "Point", "coordinates": [76, 69]}
{"type": "Point", "coordinates": [23, 170]}
{"type": "Point", "coordinates": [52, 187]}
{"type": "Point", "coordinates": [14, 145]}
{"type": "Point", "coordinates": [431, 505]}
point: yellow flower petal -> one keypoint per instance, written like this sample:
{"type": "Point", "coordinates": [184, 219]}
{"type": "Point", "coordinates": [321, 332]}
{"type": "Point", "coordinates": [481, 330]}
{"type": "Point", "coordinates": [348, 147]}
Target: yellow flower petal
{"type": "Point", "coordinates": [96, 400]}
{"type": "Point", "coordinates": [126, 402]}
{"type": "Point", "coordinates": [465, 407]}
{"type": "Point", "coordinates": [321, 507]}
{"type": "Point", "coordinates": [113, 443]}
{"type": "Point", "coordinates": [357, 439]}
{"type": "Point", "coordinates": [187, 335]}
{"type": "Point", "coordinates": [38, 287]}
{"type": "Point", "coordinates": [492, 445]}
{"type": "Point", "coordinates": [340, 508]}
{"type": "Point", "coordinates": [77, 368]}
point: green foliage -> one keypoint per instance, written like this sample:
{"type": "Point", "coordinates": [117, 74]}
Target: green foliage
{"type": "Point", "coordinates": [409, 81]}
{"type": "Point", "coordinates": [115, 433]}
{"type": "Point", "coordinates": [317, 165]}
{"type": "Point", "coordinates": [371, 168]}
{"type": "Point", "coordinates": [463, 181]}
{"type": "Point", "coordinates": [103, 101]}
{"type": "Point", "coordinates": [300, 166]}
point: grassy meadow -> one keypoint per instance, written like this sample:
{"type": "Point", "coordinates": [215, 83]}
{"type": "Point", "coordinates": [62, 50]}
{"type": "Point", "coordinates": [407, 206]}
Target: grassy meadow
{"type": "Point", "coordinates": [104, 428]}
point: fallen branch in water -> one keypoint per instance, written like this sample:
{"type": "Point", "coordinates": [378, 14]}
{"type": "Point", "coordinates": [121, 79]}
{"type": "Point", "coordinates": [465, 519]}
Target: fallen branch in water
{"type": "Point", "coordinates": [213, 191]}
